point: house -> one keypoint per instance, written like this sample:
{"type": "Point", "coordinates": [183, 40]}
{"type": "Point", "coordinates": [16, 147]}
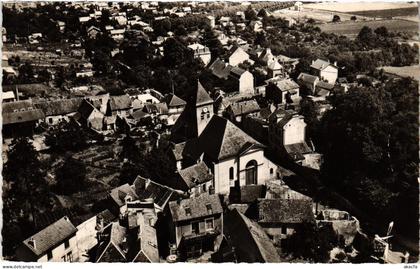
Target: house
{"type": "Point", "coordinates": [210, 21]}
{"type": "Point", "coordinates": [256, 26]}
{"type": "Point", "coordinates": [148, 96]}
{"type": "Point", "coordinates": [84, 19]}
{"type": "Point", "coordinates": [61, 26]}
{"type": "Point", "coordinates": [55, 243]}
{"type": "Point", "coordinates": [119, 106]}
{"type": "Point", "coordinates": [90, 116]}
{"type": "Point", "coordinates": [134, 242]}
{"type": "Point", "coordinates": [201, 52]}
{"type": "Point", "coordinates": [237, 55]}
{"type": "Point", "coordinates": [324, 89]}
{"type": "Point", "coordinates": [243, 80]}
{"type": "Point", "coordinates": [57, 111]}
{"type": "Point", "coordinates": [280, 218]}
{"type": "Point", "coordinates": [92, 32]}
{"type": "Point", "coordinates": [220, 69]}
{"type": "Point", "coordinates": [287, 137]}
{"type": "Point", "coordinates": [161, 195]}
{"type": "Point", "coordinates": [251, 243]}
{"type": "Point", "coordinates": [275, 69]}
{"type": "Point", "coordinates": [240, 15]}
{"type": "Point", "coordinates": [117, 34]}
{"type": "Point", "coordinates": [224, 21]}
{"type": "Point", "coordinates": [20, 118]}
{"type": "Point", "coordinates": [8, 96]}
{"type": "Point", "coordinates": [4, 34]}
{"type": "Point", "coordinates": [266, 57]}
{"type": "Point", "coordinates": [325, 70]}
{"type": "Point", "coordinates": [282, 91]}
{"type": "Point", "coordinates": [121, 194]}
{"type": "Point", "coordinates": [239, 110]}
{"type": "Point", "coordinates": [175, 107]}
{"type": "Point", "coordinates": [195, 224]}
{"type": "Point", "coordinates": [298, 6]}
{"type": "Point", "coordinates": [288, 63]}
{"type": "Point", "coordinates": [308, 81]}
{"type": "Point", "coordinates": [195, 179]}
{"type": "Point", "coordinates": [86, 235]}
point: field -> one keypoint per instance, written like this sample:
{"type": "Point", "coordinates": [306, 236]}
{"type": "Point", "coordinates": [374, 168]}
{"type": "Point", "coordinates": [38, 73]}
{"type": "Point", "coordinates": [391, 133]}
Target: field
{"type": "Point", "coordinates": [404, 71]}
{"type": "Point", "coordinates": [359, 7]}
{"type": "Point", "coordinates": [388, 13]}
{"type": "Point", "coordinates": [351, 29]}
{"type": "Point", "coordinates": [318, 15]}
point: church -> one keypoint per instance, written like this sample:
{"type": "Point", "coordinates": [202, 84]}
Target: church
{"type": "Point", "coordinates": [234, 158]}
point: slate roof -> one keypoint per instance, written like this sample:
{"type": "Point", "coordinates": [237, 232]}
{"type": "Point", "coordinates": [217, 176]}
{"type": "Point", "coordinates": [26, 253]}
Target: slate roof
{"type": "Point", "coordinates": [321, 64]}
{"type": "Point", "coordinates": [275, 65]}
{"type": "Point", "coordinates": [220, 69]}
{"type": "Point", "coordinates": [298, 148]}
{"type": "Point", "coordinates": [119, 193]}
{"type": "Point", "coordinates": [178, 150]}
{"type": "Point", "coordinates": [195, 174]}
{"type": "Point", "coordinates": [59, 107]}
{"type": "Point", "coordinates": [86, 108]}
{"type": "Point", "coordinates": [237, 71]}
{"type": "Point", "coordinates": [287, 85]}
{"type": "Point", "coordinates": [222, 139]}
{"type": "Point", "coordinates": [114, 235]}
{"type": "Point", "coordinates": [172, 100]}
{"type": "Point", "coordinates": [51, 236]}
{"type": "Point", "coordinates": [248, 238]}
{"type": "Point", "coordinates": [22, 116]}
{"type": "Point", "coordinates": [284, 211]}
{"type": "Point", "coordinates": [17, 106]}
{"type": "Point", "coordinates": [197, 206]}
{"type": "Point", "coordinates": [122, 102]}
{"type": "Point", "coordinates": [202, 97]}
{"type": "Point", "coordinates": [159, 108]}
{"type": "Point", "coordinates": [244, 107]}
{"type": "Point", "coordinates": [250, 193]}
{"type": "Point", "coordinates": [146, 188]}
{"type": "Point", "coordinates": [325, 85]}
{"type": "Point", "coordinates": [307, 78]}
{"type": "Point", "coordinates": [186, 125]}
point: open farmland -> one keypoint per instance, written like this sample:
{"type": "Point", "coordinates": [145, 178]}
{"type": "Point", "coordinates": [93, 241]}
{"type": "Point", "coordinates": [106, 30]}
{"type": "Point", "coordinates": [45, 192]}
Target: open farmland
{"type": "Point", "coordinates": [404, 71]}
{"type": "Point", "coordinates": [351, 29]}
{"type": "Point", "coordinates": [388, 13]}
{"type": "Point", "coordinates": [359, 7]}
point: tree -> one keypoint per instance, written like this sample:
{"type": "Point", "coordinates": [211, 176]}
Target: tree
{"type": "Point", "coordinates": [311, 242]}
{"type": "Point", "coordinates": [336, 18]}
{"type": "Point", "coordinates": [71, 176]}
{"type": "Point", "coordinates": [365, 35]}
{"type": "Point", "coordinates": [175, 52]}
{"type": "Point", "coordinates": [250, 14]}
{"type": "Point", "coordinates": [211, 41]}
{"type": "Point", "coordinates": [24, 171]}
{"type": "Point", "coordinates": [381, 31]}
{"type": "Point", "coordinates": [370, 153]}
{"type": "Point", "coordinates": [66, 136]}
{"type": "Point", "coordinates": [310, 111]}
{"type": "Point", "coordinates": [353, 18]}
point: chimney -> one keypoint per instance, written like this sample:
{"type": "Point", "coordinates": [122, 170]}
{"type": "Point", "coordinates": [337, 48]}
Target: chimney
{"type": "Point", "coordinates": [17, 93]}
{"type": "Point", "coordinates": [32, 243]}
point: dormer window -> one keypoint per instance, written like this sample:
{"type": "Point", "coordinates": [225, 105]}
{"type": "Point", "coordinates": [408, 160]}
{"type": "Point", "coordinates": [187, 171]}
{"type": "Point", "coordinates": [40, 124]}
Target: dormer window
{"type": "Point", "coordinates": [209, 209]}
{"type": "Point", "coordinates": [188, 211]}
